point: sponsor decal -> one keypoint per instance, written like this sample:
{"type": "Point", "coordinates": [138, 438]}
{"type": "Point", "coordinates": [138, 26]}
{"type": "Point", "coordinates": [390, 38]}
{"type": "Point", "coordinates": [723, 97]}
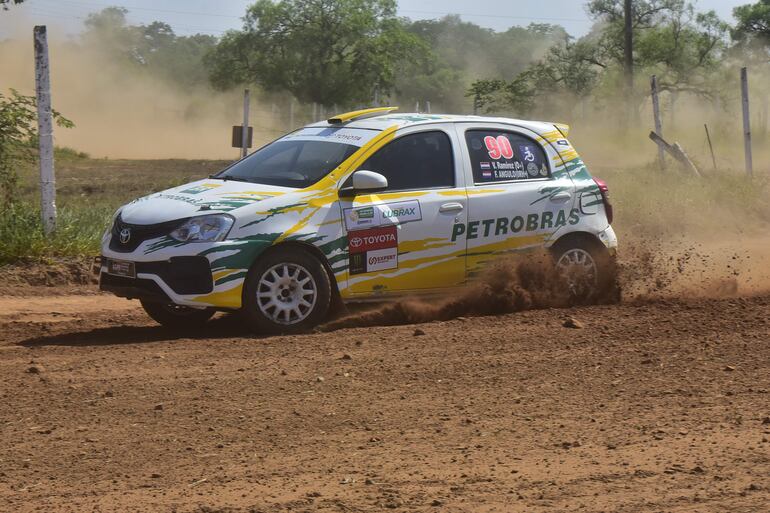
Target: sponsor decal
{"type": "Point", "coordinates": [200, 188]}
{"type": "Point", "coordinates": [532, 169]}
{"type": "Point", "coordinates": [382, 259]}
{"type": "Point", "coordinates": [382, 214]}
{"type": "Point", "coordinates": [562, 142]}
{"type": "Point", "coordinates": [373, 250]}
{"type": "Point", "coordinates": [513, 225]}
{"type": "Point", "coordinates": [352, 136]}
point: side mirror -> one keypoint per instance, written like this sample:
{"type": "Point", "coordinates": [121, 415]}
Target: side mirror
{"type": "Point", "coordinates": [364, 181]}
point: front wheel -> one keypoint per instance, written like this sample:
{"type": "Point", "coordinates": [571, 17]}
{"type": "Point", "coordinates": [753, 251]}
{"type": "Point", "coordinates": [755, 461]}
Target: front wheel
{"type": "Point", "coordinates": [287, 291]}
{"type": "Point", "coordinates": [588, 271]}
{"type": "Point", "coordinates": [177, 317]}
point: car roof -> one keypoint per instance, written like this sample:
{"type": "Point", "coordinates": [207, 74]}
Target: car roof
{"type": "Point", "coordinates": [406, 119]}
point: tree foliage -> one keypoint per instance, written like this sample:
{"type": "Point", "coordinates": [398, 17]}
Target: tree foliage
{"type": "Point", "coordinates": [672, 40]}
{"type": "Point", "coordinates": [325, 51]}
{"type": "Point", "coordinates": [459, 51]}
{"type": "Point", "coordinates": [753, 25]}
{"type": "Point", "coordinates": [18, 133]}
{"type": "Point", "coordinates": [4, 3]}
{"type": "Point", "coordinates": [154, 49]}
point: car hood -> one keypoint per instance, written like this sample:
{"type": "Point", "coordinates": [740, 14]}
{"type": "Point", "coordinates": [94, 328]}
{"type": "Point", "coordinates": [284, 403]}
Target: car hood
{"type": "Point", "coordinates": [197, 198]}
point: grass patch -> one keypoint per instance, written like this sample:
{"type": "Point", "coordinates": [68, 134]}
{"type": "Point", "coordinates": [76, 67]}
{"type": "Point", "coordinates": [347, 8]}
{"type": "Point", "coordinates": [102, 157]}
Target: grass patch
{"type": "Point", "coordinates": [78, 232]}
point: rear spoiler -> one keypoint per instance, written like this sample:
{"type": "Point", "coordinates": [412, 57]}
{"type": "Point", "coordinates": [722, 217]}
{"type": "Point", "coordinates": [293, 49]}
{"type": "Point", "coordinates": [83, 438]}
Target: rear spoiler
{"type": "Point", "coordinates": [563, 129]}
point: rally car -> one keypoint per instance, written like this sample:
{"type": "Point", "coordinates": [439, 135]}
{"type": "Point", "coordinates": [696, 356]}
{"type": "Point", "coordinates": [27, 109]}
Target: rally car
{"type": "Point", "coordinates": [367, 205]}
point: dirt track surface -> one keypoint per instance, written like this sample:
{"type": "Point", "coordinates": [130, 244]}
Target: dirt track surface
{"type": "Point", "coordinates": [661, 407]}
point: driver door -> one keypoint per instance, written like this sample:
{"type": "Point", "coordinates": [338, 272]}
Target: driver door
{"type": "Point", "coordinates": [404, 239]}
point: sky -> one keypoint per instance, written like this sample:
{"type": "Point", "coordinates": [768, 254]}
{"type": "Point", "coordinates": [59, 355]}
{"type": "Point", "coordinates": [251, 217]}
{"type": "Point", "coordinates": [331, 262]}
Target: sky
{"type": "Point", "coordinates": [215, 17]}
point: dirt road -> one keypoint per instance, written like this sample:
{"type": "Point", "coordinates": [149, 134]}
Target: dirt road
{"type": "Point", "coordinates": [659, 406]}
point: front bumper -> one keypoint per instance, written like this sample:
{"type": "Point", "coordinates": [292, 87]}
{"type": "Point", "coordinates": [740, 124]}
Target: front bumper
{"type": "Point", "coordinates": [160, 281]}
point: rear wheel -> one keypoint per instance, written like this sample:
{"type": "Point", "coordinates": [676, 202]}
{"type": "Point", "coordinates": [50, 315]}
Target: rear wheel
{"type": "Point", "coordinates": [287, 291]}
{"type": "Point", "coordinates": [176, 316]}
{"type": "Point", "coordinates": [588, 270]}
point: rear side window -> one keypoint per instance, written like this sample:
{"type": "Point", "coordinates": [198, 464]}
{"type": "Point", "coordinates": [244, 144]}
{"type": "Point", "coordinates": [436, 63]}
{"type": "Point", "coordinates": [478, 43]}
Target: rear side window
{"type": "Point", "coordinates": [498, 156]}
{"type": "Point", "coordinates": [416, 161]}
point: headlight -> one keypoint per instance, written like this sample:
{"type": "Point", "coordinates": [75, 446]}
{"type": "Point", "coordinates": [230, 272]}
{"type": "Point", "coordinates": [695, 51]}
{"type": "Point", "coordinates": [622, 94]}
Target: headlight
{"type": "Point", "coordinates": [212, 228]}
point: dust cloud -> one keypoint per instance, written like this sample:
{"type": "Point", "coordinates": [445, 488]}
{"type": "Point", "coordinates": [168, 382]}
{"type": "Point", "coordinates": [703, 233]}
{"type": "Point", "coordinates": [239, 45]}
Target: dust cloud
{"type": "Point", "coordinates": [124, 115]}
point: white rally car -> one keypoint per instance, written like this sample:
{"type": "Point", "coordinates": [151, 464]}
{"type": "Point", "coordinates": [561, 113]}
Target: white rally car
{"type": "Point", "coordinates": [369, 204]}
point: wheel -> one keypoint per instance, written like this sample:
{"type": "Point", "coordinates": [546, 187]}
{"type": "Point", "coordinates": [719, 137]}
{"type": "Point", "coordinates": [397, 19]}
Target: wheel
{"type": "Point", "coordinates": [177, 317]}
{"type": "Point", "coordinates": [287, 291]}
{"type": "Point", "coordinates": [588, 270]}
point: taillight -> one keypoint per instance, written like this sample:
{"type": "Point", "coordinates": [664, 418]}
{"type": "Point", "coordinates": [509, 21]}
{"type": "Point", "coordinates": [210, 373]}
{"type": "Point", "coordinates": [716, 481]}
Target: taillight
{"type": "Point", "coordinates": [605, 191]}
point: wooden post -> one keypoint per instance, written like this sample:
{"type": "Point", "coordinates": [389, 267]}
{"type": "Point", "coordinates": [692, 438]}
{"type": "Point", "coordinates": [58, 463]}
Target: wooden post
{"type": "Point", "coordinates": [245, 134]}
{"type": "Point", "coordinates": [45, 130]}
{"type": "Point", "coordinates": [711, 147]}
{"type": "Point", "coordinates": [746, 121]}
{"type": "Point", "coordinates": [676, 151]}
{"type": "Point", "coordinates": [658, 124]}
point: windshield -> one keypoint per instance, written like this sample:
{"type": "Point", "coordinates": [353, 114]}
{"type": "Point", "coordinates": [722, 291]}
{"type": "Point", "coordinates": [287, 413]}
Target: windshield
{"type": "Point", "coordinates": [301, 158]}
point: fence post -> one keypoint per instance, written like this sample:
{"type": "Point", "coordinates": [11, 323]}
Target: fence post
{"type": "Point", "coordinates": [45, 130]}
{"type": "Point", "coordinates": [746, 121]}
{"type": "Point", "coordinates": [427, 106]}
{"type": "Point", "coordinates": [245, 131]}
{"type": "Point", "coordinates": [656, 115]}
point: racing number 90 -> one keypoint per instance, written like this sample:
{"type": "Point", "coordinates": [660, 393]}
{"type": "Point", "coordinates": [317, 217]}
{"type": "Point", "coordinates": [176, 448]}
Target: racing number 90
{"type": "Point", "coordinates": [498, 147]}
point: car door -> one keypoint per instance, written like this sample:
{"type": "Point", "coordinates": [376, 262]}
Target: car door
{"type": "Point", "coordinates": [400, 240]}
{"type": "Point", "coordinates": [515, 200]}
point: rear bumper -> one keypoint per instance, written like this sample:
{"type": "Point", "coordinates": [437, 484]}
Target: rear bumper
{"type": "Point", "coordinates": [609, 239]}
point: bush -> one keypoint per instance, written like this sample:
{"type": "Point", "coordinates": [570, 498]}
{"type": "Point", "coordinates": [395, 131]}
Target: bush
{"type": "Point", "coordinates": [78, 232]}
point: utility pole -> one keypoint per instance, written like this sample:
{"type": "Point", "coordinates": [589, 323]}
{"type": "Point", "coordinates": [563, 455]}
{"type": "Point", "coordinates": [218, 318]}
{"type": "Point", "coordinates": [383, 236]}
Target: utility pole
{"type": "Point", "coordinates": [45, 130]}
{"type": "Point", "coordinates": [628, 54]}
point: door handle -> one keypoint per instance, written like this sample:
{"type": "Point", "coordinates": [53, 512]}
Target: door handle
{"type": "Point", "coordinates": [450, 207]}
{"type": "Point", "coordinates": [561, 197]}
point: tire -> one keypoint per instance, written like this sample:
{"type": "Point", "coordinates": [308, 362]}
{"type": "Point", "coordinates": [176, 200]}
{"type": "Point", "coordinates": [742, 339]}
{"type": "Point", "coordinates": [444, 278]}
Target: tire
{"type": "Point", "coordinates": [177, 317]}
{"type": "Point", "coordinates": [588, 270]}
{"type": "Point", "coordinates": [287, 291]}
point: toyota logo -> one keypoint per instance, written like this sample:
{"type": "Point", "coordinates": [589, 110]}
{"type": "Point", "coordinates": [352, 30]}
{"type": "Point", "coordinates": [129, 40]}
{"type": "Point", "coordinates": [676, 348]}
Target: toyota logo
{"type": "Point", "coordinates": [125, 235]}
{"type": "Point", "coordinates": [356, 242]}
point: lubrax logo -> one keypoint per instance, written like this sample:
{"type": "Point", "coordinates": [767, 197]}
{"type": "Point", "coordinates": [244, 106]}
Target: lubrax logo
{"type": "Point", "coordinates": [399, 212]}
{"type": "Point", "coordinates": [505, 225]}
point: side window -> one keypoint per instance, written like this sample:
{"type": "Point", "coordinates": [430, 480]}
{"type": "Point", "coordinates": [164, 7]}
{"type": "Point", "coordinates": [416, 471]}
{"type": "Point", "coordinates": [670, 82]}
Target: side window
{"type": "Point", "coordinates": [416, 161]}
{"type": "Point", "coordinates": [498, 156]}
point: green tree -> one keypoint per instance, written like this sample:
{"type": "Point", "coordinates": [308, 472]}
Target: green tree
{"type": "Point", "coordinates": [18, 132]}
{"type": "Point", "coordinates": [4, 3]}
{"type": "Point", "coordinates": [325, 51]}
{"type": "Point", "coordinates": [753, 24]}
{"type": "Point", "coordinates": [672, 40]}
{"type": "Point", "coordinates": [461, 51]}
{"type": "Point", "coordinates": [153, 49]}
